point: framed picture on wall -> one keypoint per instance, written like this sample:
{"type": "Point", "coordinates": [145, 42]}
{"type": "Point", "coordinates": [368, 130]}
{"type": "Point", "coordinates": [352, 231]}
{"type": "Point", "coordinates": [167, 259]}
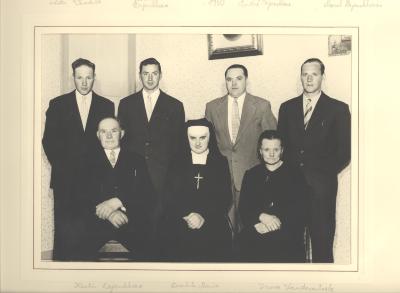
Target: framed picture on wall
{"type": "Point", "coordinates": [339, 45]}
{"type": "Point", "coordinates": [234, 45]}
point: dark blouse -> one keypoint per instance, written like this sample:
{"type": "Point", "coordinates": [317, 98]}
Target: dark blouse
{"type": "Point", "coordinates": [283, 193]}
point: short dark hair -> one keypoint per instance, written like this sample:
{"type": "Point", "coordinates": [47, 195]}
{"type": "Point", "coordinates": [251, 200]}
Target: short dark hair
{"type": "Point", "coordinates": [268, 134]}
{"type": "Point", "coordinates": [311, 60]}
{"type": "Point", "coordinates": [80, 62]}
{"type": "Point", "coordinates": [149, 61]}
{"type": "Point", "coordinates": [245, 72]}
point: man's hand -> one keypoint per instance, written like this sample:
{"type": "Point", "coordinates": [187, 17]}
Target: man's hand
{"type": "Point", "coordinates": [107, 207]}
{"type": "Point", "coordinates": [271, 222]}
{"type": "Point", "coordinates": [194, 220]}
{"type": "Point", "coordinates": [118, 218]}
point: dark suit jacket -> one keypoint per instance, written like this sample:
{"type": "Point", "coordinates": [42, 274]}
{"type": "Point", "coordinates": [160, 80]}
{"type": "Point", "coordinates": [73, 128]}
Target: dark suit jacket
{"type": "Point", "coordinates": [256, 117]}
{"type": "Point", "coordinates": [65, 142]}
{"type": "Point", "coordinates": [128, 180]}
{"type": "Point", "coordinates": [156, 140]}
{"type": "Point", "coordinates": [325, 146]}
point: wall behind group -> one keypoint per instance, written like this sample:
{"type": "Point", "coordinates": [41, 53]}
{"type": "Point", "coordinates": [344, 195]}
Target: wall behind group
{"type": "Point", "coordinates": [275, 75]}
{"type": "Point", "coordinates": [188, 75]}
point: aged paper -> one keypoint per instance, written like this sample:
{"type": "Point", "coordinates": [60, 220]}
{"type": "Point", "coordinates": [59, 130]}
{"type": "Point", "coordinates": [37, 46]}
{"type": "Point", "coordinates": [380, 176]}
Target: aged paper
{"type": "Point", "coordinates": [372, 24]}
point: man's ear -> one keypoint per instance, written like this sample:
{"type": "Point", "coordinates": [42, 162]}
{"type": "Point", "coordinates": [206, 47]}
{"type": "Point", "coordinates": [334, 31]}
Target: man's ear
{"type": "Point", "coordinates": [122, 133]}
{"type": "Point", "coordinates": [98, 134]}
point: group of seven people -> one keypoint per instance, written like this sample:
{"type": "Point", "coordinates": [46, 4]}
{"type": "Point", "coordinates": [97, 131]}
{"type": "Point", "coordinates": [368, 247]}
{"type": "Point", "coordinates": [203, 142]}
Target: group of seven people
{"type": "Point", "coordinates": [233, 186]}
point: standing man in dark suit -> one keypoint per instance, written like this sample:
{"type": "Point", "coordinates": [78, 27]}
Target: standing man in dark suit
{"type": "Point", "coordinates": [153, 123]}
{"type": "Point", "coordinates": [239, 118]}
{"type": "Point", "coordinates": [316, 130]}
{"type": "Point", "coordinates": [69, 135]}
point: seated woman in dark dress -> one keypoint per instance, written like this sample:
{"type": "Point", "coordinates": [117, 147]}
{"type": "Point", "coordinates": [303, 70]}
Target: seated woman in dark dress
{"type": "Point", "coordinates": [272, 207]}
{"type": "Point", "coordinates": [198, 196]}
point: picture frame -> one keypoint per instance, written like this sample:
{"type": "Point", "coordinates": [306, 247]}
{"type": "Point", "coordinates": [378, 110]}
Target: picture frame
{"type": "Point", "coordinates": [221, 46]}
{"type": "Point", "coordinates": [339, 45]}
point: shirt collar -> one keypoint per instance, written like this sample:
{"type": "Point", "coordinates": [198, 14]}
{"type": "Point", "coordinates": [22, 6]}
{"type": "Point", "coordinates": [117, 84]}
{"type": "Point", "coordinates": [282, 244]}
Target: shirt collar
{"type": "Point", "coordinates": [153, 95]}
{"type": "Point", "coordinates": [314, 99]}
{"type": "Point", "coordinates": [200, 159]}
{"type": "Point", "coordinates": [80, 96]}
{"type": "Point", "coordinates": [116, 151]}
{"type": "Point", "coordinates": [240, 99]}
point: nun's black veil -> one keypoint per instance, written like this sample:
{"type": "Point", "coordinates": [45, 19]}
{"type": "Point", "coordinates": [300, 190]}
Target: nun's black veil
{"type": "Point", "coordinates": [212, 144]}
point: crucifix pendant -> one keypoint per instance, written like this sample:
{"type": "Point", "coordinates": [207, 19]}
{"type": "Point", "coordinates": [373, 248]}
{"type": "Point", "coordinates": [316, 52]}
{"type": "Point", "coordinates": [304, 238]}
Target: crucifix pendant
{"type": "Point", "coordinates": [198, 177]}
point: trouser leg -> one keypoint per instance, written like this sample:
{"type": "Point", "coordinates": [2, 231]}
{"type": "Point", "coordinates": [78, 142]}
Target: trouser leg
{"type": "Point", "coordinates": [322, 217]}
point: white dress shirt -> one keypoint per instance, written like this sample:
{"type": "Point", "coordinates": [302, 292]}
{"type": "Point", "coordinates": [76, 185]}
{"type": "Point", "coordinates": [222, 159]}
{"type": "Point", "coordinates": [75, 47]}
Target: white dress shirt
{"type": "Point", "coordinates": [314, 101]}
{"type": "Point", "coordinates": [84, 113]}
{"type": "Point", "coordinates": [240, 101]}
{"type": "Point", "coordinates": [153, 98]}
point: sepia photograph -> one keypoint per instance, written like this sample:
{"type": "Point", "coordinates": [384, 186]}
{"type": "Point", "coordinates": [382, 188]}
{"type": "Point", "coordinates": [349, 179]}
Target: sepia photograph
{"type": "Point", "coordinates": [152, 153]}
{"type": "Point", "coordinates": [199, 146]}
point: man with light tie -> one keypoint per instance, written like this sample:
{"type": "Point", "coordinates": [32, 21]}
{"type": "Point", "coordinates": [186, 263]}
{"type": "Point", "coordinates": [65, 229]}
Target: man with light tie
{"type": "Point", "coordinates": [154, 124]}
{"type": "Point", "coordinates": [69, 136]}
{"type": "Point", "coordinates": [239, 118]}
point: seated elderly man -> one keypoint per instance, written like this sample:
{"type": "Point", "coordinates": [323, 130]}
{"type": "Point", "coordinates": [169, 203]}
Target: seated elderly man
{"type": "Point", "coordinates": [119, 200]}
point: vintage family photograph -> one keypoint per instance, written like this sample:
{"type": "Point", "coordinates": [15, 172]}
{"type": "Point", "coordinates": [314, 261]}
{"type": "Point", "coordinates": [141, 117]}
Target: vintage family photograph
{"type": "Point", "coordinates": [196, 148]}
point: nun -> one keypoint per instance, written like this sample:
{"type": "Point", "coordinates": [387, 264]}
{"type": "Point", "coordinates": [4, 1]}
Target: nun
{"type": "Point", "coordinates": [198, 196]}
{"type": "Point", "coordinates": [272, 207]}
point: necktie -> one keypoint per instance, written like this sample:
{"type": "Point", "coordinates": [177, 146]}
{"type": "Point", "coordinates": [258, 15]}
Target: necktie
{"type": "Point", "coordinates": [235, 119]}
{"type": "Point", "coordinates": [112, 159]}
{"type": "Point", "coordinates": [84, 114]}
{"type": "Point", "coordinates": [307, 113]}
{"type": "Point", "coordinates": [149, 107]}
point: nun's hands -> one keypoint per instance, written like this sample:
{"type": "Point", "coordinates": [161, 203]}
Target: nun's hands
{"type": "Point", "coordinates": [194, 220]}
{"type": "Point", "coordinates": [261, 228]}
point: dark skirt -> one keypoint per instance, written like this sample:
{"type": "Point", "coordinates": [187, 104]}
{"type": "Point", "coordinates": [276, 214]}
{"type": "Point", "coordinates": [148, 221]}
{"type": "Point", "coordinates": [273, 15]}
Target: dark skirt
{"type": "Point", "coordinates": [211, 243]}
{"type": "Point", "coordinates": [281, 246]}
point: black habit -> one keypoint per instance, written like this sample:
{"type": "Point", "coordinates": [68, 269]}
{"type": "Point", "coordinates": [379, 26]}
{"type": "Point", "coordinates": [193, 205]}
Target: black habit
{"type": "Point", "coordinates": [203, 189]}
{"type": "Point", "coordinates": [282, 193]}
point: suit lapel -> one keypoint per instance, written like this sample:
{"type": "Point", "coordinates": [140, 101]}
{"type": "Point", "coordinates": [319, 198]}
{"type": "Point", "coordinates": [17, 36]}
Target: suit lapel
{"type": "Point", "coordinates": [248, 111]}
{"type": "Point", "coordinates": [121, 158]}
{"type": "Point", "coordinates": [158, 108]}
{"type": "Point", "coordinates": [141, 110]}
{"type": "Point", "coordinates": [299, 114]}
{"type": "Point", "coordinates": [90, 123]}
{"type": "Point", "coordinates": [74, 114]}
{"type": "Point", "coordinates": [104, 159]}
{"type": "Point", "coordinates": [223, 117]}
